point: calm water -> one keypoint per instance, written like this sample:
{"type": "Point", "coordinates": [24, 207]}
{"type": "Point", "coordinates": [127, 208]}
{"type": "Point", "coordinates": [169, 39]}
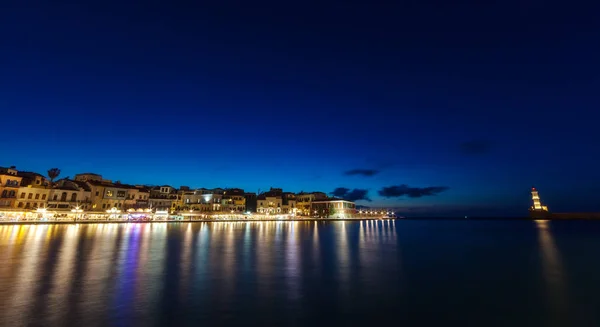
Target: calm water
{"type": "Point", "coordinates": [416, 273]}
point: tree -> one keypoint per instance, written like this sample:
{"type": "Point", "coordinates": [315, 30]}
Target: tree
{"type": "Point", "coordinates": [331, 212]}
{"type": "Point", "coordinates": [52, 174]}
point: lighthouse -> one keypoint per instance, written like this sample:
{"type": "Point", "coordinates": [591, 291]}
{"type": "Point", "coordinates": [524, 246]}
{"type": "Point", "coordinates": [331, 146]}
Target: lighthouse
{"type": "Point", "coordinates": [537, 210]}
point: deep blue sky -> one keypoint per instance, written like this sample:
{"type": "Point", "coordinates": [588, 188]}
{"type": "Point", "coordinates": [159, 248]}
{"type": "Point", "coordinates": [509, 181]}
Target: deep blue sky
{"type": "Point", "coordinates": [479, 100]}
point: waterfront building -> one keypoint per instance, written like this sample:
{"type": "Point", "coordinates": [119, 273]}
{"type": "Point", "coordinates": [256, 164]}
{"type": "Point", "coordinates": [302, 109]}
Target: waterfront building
{"type": "Point", "coordinates": [250, 200]}
{"type": "Point", "coordinates": [537, 210]}
{"type": "Point", "coordinates": [288, 203]}
{"type": "Point", "coordinates": [34, 179]}
{"type": "Point", "coordinates": [10, 182]}
{"type": "Point", "coordinates": [105, 195]}
{"type": "Point", "coordinates": [163, 198]}
{"type": "Point", "coordinates": [34, 191]}
{"type": "Point", "coordinates": [108, 195]}
{"type": "Point", "coordinates": [233, 200]}
{"type": "Point", "coordinates": [304, 202]}
{"type": "Point", "coordinates": [178, 203]}
{"type": "Point", "coordinates": [69, 194]}
{"type": "Point", "coordinates": [270, 202]}
{"type": "Point", "coordinates": [203, 200]}
{"type": "Point", "coordinates": [333, 208]}
{"type": "Point", "coordinates": [138, 197]}
{"type": "Point", "coordinates": [540, 211]}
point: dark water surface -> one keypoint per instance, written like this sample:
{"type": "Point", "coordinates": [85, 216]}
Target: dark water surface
{"type": "Point", "coordinates": [406, 272]}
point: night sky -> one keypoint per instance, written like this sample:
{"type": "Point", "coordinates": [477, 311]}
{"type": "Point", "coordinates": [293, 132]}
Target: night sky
{"type": "Point", "coordinates": [431, 106]}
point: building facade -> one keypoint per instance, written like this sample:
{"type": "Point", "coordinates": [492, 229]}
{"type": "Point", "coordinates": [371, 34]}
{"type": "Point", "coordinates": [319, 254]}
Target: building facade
{"type": "Point", "coordinates": [32, 197]}
{"type": "Point", "coordinates": [163, 198]}
{"type": "Point", "coordinates": [288, 203]}
{"type": "Point", "coordinates": [203, 200]}
{"type": "Point", "coordinates": [333, 208]}
{"type": "Point", "coordinates": [69, 194]}
{"type": "Point", "coordinates": [305, 200]}
{"type": "Point", "coordinates": [270, 203]}
{"type": "Point", "coordinates": [138, 198]}
{"type": "Point", "coordinates": [250, 201]}
{"type": "Point", "coordinates": [233, 200]}
{"type": "Point", "coordinates": [10, 183]}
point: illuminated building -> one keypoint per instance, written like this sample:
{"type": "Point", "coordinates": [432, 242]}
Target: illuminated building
{"type": "Point", "coordinates": [537, 210]}
{"type": "Point", "coordinates": [202, 200]}
{"type": "Point", "coordinates": [333, 208]}
{"type": "Point", "coordinates": [34, 191]}
{"type": "Point", "coordinates": [105, 194]}
{"type": "Point", "coordinates": [138, 198]}
{"type": "Point", "coordinates": [68, 194]}
{"type": "Point", "coordinates": [288, 203]}
{"type": "Point", "coordinates": [163, 197]}
{"type": "Point", "coordinates": [270, 202]}
{"type": "Point", "coordinates": [304, 202]}
{"type": "Point", "coordinates": [10, 182]}
{"type": "Point", "coordinates": [178, 203]}
{"type": "Point", "coordinates": [233, 200]}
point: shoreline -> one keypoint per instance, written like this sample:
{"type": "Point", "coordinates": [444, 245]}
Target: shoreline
{"type": "Point", "coordinates": [70, 222]}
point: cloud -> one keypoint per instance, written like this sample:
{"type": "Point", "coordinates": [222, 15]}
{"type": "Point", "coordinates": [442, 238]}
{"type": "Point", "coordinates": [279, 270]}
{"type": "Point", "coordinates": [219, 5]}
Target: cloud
{"type": "Point", "coordinates": [477, 147]}
{"type": "Point", "coordinates": [397, 191]}
{"type": "Point", "coordinates": [363, 172]}
{"type": "Point", "coordinates": [351, 195]}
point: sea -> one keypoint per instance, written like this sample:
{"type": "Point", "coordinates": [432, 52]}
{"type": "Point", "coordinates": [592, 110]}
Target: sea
{"type": "Point", "coordinates": [415, 272]}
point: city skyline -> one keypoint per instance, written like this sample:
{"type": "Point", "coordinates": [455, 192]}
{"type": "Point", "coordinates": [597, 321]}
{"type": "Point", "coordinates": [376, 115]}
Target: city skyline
{"type": "Point", "coordinates": [443, 109]}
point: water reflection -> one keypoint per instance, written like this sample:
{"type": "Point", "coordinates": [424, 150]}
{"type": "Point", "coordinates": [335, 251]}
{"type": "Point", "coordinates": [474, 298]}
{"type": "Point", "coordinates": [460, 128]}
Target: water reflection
{"type": "Point", "coordinates": [292, 261]}
{"type": "Point", "coordinates": [552, 269]}
{"type": "Point", "coordinates": [266, 273]}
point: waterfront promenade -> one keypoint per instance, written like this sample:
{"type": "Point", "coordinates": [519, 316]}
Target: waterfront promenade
{"type": "Point", "coordinates": [127, 221]}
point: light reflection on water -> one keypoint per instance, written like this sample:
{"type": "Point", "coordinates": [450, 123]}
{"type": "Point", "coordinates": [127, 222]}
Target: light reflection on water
{"type": "Point", "coordinates": [287, 273]}
{"type": "Point", "coordinates": [552, 269]}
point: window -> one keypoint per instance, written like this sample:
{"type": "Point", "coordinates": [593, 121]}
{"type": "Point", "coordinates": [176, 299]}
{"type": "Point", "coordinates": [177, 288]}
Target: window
{"type": "Point", "coordinates": [20, 205]}
{"type": "Point", "coordinates": [121, 194]}
{"type": "Point", "coordinates": [63, 196]}
{"type": "Point", "coordinates": [73, 197]}
{"type": "Point", "coordinates": [30, 196]}
{"type": "Point", "coordinates": [22, 195]}
{"type": "Point", "coordinates": [97, 193]}
{"type": "Point", "coordinates": [55, 197]}
{"type": "Point", "coordinates": [43, 196]}
{"type": "Point", "coordinates": [109, 193]}
{"type": "Point", "coordinates": [37, 196]}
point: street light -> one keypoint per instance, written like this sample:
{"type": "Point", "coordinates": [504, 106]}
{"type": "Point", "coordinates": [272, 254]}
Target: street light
{"type": "Point", "coordinates": [77, 211]}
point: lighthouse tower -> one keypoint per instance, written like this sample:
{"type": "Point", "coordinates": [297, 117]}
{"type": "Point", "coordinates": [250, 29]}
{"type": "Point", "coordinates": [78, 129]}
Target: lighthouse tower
{"type": "Point", "coordinates": [537, 210]}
